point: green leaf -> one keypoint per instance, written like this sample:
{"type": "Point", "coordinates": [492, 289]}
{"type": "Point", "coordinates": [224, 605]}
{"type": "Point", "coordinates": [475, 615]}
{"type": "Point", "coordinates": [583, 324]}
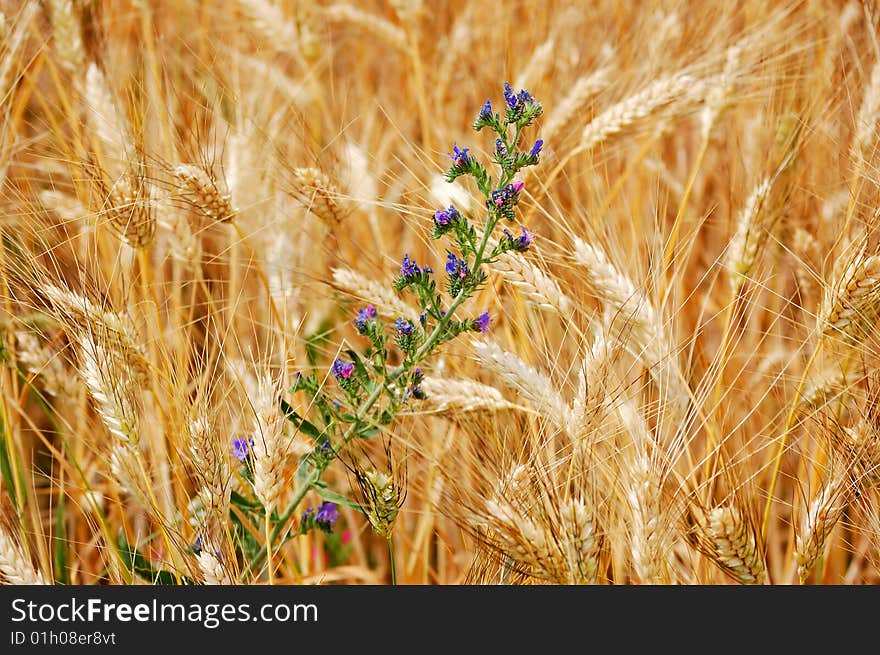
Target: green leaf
{"type": "Point", "coordinates": [142, 567]}
{"type": "Point", "coordinates": [367, 431]}
{"type": "Point", "coordinates": [302, 425]}
{"type": "Point", "coordinates": [59, 543]}
{"type": "Point", "coordinates": [6, 470]}
{"type": "Point", "coordinates": [334, 497]}
{"type": "Point", "coordinates": [243, 503]}
{"type": "Point", "coordinates": [317, 341]}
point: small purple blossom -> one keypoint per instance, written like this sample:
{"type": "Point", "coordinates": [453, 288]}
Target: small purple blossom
{"type": "Point", "coordinates": [342, 370]}
{"type": "Point", "coordinates": [456, 267]}
{"type": "Point", "coordinates": [409, 267]}
{"type": "Point", "coordinates": [520, 243]}
{"type": "Point", "coordinates": [364, 316]}
{"type": "Point", "coordinates": [536, 149]}
{"type": "Point", "coordinates": [444, 217]}
{"type": "Point", "coordinates": [459, 156]}
{"type": "Point", "coordinates": [404, 327]}
{"type": "Point", "coordinates": [501, 197]}
{"type": "Point", "coordinates": [482, 322]}
{"type": "Point", "coordinates": [486, 111]}
{"type": "Point", "coordinates": [500, 148]}
{"type": "Point", "coordinates": [516, 100]}
{"type": "Point", "coordinates": [509, 96]}
{"type": "Point", "coordinates": [306, 515]}
{"type": "Point", "coordinates": [241, 447]}
{"type": "Point", "coordinates": [327, 514]}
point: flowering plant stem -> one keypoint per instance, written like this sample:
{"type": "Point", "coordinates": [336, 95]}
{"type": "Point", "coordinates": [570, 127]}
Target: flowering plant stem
{"type": "Point", "coordinates": [464, 277]}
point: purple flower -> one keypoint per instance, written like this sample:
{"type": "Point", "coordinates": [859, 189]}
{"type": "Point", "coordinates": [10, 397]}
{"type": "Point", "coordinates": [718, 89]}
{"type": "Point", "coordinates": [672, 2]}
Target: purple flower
{"type": "Point", "coordinates": [500, 148]}
{"type": "Point", "coordinates": [516, 100]}
{"type": "Point", "coordinates": [482, 322]}
{"type": "Point", "coordinates": [241, 447]}
{"type": "Point", "coordinates": [517, 186]}
{"type": "Point", "coordinates": [520, 243]}
{"type": "Point", "coordinates": [460, 156]}
{"type": "Point", "coordinates": [342, 370]}
{"type": "Point", "coordinates": [456, 267]}
{"type": "Point", "coordinates": [523, 97]}
{"type": "Point", "coordinates": [327, 514]}
{"type": "Point", "coordinates": [306, 515]}
{"type": "Point", "coordinates": [409, 267]}
{"type": "Point", "coordinates": [404, 327]}
{"type": "Point", "coordinates": [486, 111]}
{"type": "Point", "coordinates": [536, 149]}
{"type": "Point", "coordinates": [444, 217]}
{"type": "Point", "coordinates": [509, 96]}
{"type": "Point", "coordinates": [364, 316]}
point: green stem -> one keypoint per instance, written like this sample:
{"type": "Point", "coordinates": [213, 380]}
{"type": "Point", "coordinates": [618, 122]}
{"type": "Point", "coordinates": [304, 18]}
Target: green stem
{"type": "Point", "coordinates": [391, 558]}
{"type": "Point", "coordinates": [423, 351]}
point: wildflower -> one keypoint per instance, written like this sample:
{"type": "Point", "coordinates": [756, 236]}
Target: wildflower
{"type": "Point", "coordinates": [500, 148]}
{"type": "Point", "coordinates": [342, 370]}
{"type": "Point", "coordinates": [536, 149]}
{"type": "Point", "coordinates": [445, 217]}
{"type": "Point", "coordinates": [457, 268]}
{"type": "Point", "coordinates": [409, 268]}
{"type": "Point", "coordinates": [326, 515]}
{"type": "Point", "coordinates": [241, 448]}
{"type": "Point", "coordinates": [364, 316]}
{"type": "Point", "coordinates": [460, 156]}
{"type": "Point", "coordinates": [520, 243]}
{"type": "Point", "coordinates": [486, 111]}
{"type": "Point", "coordinates": [506, 196]}
{"type": "Point", "coordinates": [404, 327]}
{"type": "Point", "coordinates": [481, 323]}
{"type": "Point", "coordinates": [423, 318]}
{"type": "Point", "coordinates": [509, 96]}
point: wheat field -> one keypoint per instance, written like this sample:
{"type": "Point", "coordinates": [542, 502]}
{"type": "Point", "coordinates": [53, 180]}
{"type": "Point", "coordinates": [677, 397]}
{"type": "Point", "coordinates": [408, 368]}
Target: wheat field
{"type": "Point", "coordinates": [203, 204]}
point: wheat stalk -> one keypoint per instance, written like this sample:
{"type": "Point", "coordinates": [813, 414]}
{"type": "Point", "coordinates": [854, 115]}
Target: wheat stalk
{"type": "Point", "coordinates": [379, 27]}
{"type": "Point", "coordinates": [851, 304]}
{"type": "Point", "coordinates": [571, 106]}
{"type": "Point", "coordinates": [678, 87]}
{"type": "Point", "coordinates": [750, 234]}
{"type": "Point", "coordinates": [463, 397]}
{"type": "Point", "coordinates": [538, 287]}
{"type": "Point", "coordinates": [734, 544]}
{"type": "Point", "coordinates": [533, 385]}
{"type": "Point", "coordinates": [202, 191]}
{"type": "Point", "coordinates": [386, 302]}
{"type": "Point", "coordinates": [271, 447]}
{"type": "Point", "coordinates": [15, 566]}
{"type": "Point", "coordinates": [824, 511]}
{"type": "Point", "coordinates": [66, 37]}
{"type": "Point", "coordinates": [316, 192]}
